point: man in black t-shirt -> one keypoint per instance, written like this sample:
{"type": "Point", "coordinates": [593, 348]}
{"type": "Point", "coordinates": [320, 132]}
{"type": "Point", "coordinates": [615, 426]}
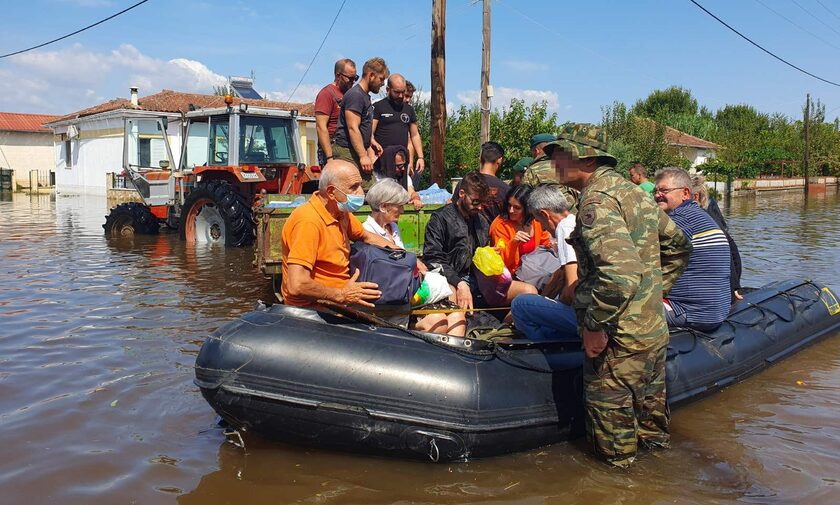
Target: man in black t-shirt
{"type": "Point", "coordinates": [353, 134]}
{"type": "Point", "coordinates": [395, 122]}
{"type": "Point", "coordinates": [492, 157]}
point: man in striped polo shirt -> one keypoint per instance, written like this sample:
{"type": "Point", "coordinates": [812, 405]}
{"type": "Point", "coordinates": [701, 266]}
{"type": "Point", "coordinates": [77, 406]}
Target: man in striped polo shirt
{"type": "Point", "coordinates": [700, 298]}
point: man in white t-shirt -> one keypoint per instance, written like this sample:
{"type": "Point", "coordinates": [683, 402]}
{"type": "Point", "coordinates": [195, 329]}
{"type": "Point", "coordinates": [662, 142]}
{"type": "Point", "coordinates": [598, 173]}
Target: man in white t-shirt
{"type": "Point", "coordinates": [539, 317]}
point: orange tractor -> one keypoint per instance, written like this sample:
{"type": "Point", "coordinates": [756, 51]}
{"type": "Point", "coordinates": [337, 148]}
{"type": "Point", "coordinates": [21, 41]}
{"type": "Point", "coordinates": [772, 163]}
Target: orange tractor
{"type": "Point", "coordinates": [229, 158]}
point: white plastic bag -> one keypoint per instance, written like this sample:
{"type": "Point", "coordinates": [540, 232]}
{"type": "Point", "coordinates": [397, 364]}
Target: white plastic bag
{"type": "Point", "coordinates": [438, 286]}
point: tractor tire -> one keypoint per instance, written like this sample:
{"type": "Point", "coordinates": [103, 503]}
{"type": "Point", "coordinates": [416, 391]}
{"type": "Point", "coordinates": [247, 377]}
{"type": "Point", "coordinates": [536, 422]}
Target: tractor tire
{"type": "Point", "coordinates": [129, 219]}
{"type": "Point", "coordinates": [214, 212]}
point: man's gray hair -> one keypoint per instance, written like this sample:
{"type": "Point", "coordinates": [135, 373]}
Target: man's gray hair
{"type": "Point", "coordinates": [676, 175]}
{"type": "Point", "coordinates": [327, 178]}
{"type": "Point", "coordinates": [548, 197]}
{"type": "Point", "coordinates": [387, 191]}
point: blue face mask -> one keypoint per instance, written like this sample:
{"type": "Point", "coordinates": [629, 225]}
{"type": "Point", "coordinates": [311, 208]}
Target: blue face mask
{"type": "Point", "coordinates": [353, 203]}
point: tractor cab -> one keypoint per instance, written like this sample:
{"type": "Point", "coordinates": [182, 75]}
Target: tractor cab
{"type": "Point", "coordinates": [247, 146]}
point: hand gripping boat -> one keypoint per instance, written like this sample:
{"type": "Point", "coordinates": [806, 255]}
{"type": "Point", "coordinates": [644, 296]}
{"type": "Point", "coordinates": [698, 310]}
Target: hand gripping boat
{"type": "Point", "coordinates": [317, 379]}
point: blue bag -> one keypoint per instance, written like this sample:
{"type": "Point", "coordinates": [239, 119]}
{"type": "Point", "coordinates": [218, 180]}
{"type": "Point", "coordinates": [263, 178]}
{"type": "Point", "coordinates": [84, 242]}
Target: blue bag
{"type": "Point", "coordinates": [394, 270]}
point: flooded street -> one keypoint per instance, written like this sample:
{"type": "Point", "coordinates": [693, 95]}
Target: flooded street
{"type": "Point", "coordinates": [98, 338]}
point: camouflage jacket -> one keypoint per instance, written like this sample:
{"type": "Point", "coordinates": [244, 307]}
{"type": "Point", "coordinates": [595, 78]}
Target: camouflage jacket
{"type": "Point", "coordinates": [541, 171]}
{"type": "Point", "coordinates": [625, 245]}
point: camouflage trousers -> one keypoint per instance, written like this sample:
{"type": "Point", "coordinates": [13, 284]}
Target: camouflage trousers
{"type": "Point", "coordinates": [348, 154]}
{"type": "Point", "coordinates": [625, 403]}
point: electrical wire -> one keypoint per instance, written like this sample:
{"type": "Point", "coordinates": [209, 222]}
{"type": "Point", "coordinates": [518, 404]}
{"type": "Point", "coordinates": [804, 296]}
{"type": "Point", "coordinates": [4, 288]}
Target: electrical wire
{"type": "Point", "coordinates": [829, 10]}
{"type": "Point", "coordinates": [815, 17]}
{"type": "Point", "coordinates": [74, 33]}
{"type": "Point", "coordinates": [760, 47]}
{"type": "Point", "coordinates": [318, 51]}
{"type": "Point", "coordinates": [809, 32]}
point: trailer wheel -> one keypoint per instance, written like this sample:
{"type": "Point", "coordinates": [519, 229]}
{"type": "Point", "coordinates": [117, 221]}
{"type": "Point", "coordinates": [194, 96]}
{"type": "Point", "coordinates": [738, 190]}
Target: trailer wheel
{"type": "Point", "coordinates": [129, 219]}
{"type": "Point", "coordinates": [215, 213]}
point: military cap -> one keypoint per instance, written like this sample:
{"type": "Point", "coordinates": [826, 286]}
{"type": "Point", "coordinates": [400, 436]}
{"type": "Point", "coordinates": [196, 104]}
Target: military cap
{"type": "Point", "coordinates": [542, 137]}
{"type": "Point", "coordinates": [522, 164]}
{"type": "Point", "coordinates": [582, 141]}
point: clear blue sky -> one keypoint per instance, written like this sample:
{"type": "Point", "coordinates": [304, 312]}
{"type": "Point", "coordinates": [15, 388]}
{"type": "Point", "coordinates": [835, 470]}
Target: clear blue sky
{"type": "Point", "coordinates": [577, 56]}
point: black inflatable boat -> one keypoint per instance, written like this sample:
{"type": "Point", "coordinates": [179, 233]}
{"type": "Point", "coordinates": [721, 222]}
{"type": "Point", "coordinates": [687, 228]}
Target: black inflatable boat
{"type": "Point", "coordinates": [314, 378]}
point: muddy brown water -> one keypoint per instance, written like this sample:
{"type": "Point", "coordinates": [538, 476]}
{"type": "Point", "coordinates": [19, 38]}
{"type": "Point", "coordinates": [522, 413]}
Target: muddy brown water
{"type": "Point", "coordinates": [98, 338]}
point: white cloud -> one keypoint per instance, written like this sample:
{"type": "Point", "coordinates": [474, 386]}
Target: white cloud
{"type": "Point", "coordinates": [74, 77]}
{"type": "Point", "coordinates": [526, 66]}
{"type": "Point", "coordinates": [503, 96]}
{"type": "Point", "coordinates": [304, 94]}
{"type": "Point", "coordinates": [299, 66]}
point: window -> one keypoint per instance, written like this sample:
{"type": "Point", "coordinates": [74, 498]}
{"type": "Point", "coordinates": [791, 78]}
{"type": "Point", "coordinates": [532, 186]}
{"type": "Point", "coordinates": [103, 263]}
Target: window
{"type": "Point", "coordinates": [219, 144]}
{"type": "Point", "coordinates": [266, 140]}
{"type": "Point", "coordinates": [68, 154]}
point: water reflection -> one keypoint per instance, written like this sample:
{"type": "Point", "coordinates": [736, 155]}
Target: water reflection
{"type": "Point", "coordinates": [98, 339]}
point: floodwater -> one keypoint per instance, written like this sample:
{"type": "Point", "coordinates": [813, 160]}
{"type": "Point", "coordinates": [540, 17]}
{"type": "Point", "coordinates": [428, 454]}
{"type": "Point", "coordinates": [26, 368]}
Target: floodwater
{"type": "Point", "coordinates": [98, 338]}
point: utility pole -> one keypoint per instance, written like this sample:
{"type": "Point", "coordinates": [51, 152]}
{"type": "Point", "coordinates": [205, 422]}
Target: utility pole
{"type": "Point", "coordinates": [438, 101]}
{"type": "Point", "coordinates": [485, 73]}
{"type": "Point", "coordinates": [807, 125]}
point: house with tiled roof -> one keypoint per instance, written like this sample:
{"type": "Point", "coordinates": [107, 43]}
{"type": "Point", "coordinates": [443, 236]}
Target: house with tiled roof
{"type": "Point", "coordinates": [693, 148]}
{"type": "Point", "coordinates": [88, 144]}
{"type": "Point", "coordinates": [26, 145]}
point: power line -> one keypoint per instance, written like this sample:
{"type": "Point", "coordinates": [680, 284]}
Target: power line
{"type": "Point", "coordinates": [815, 17]}
{"type": "Point", "coordinates": [829, 10]}
{"type": "Point", "coordinates": [74, 33]}
{"type": "Point", "coordinates": [318, 51]}
{"type": "Point", "coordinates": [809, 32]}
{"type": "Point", "coordinates": [758, 46]}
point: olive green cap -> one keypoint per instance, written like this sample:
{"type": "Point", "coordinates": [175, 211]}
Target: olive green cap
{"type": "Point", "coordinates": [542, 137]}
{"type": "Point", "coordinates": [582, 141]}
{"type": "Point", "coordinates": [522, 164]}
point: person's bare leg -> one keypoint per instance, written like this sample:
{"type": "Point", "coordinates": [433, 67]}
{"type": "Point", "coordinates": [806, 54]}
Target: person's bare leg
{"type": "Point", "coordinates": [457, 322]}
{"type": "Point", "coordinates": [519, 288]}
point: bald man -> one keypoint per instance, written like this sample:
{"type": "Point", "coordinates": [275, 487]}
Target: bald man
{"type": "Point", "coordinates": [316, 247]}
{"type": "Point", "coordinates": [395, 122]}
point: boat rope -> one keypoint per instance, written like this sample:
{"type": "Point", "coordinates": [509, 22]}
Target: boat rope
{"type": "Point", "coordinates": [493, 349]}
{"type": "Point", "coordinates": [434, 452]}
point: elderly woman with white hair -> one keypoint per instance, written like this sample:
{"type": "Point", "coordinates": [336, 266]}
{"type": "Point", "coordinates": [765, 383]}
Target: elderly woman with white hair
{"type": "Point", "coordinates": [387, 200]}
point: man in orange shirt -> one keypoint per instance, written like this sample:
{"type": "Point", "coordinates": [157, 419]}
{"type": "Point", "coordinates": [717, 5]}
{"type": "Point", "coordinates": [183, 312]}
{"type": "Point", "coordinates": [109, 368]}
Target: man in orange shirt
{"type": "Point", "coordinates": [316, 242]}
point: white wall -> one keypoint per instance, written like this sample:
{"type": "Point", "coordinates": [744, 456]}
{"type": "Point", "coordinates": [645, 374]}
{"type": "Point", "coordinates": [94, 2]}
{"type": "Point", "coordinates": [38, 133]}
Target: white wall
{"type": "Point", "coordinates": [25, 151]}
{"type": "Point", "coordinates": [97, 150]}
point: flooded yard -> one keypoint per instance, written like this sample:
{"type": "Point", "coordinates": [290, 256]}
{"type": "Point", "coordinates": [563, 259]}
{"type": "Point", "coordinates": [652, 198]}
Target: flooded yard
{"type": "Point", "coordinates": [98, 338]}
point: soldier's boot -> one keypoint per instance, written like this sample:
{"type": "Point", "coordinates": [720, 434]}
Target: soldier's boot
{"type": "Point", "coordinates": [655, 416]}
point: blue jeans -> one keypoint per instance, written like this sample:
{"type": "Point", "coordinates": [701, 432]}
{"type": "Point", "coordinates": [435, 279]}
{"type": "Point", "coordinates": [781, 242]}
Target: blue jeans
{"type": "Point", "coordinates": [541, 318]}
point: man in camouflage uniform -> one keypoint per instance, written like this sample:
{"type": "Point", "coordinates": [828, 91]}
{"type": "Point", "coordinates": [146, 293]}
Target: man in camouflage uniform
{"type": "Point", "coordinates": [541, 170]}
{"type": "Point", "coordinates": [628, 253]}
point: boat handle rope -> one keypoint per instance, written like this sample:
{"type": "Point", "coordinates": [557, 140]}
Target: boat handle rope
{"type": "Point", "coordinates": [434, 452]}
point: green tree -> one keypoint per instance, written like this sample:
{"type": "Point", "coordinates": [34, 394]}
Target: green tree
{"type": "Point", "coordinates": [674, 100]}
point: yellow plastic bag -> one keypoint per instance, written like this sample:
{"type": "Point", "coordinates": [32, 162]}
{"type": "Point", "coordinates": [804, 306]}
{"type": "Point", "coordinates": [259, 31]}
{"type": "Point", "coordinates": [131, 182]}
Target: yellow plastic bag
{"type": "Point", "coordinates": [488, 261]}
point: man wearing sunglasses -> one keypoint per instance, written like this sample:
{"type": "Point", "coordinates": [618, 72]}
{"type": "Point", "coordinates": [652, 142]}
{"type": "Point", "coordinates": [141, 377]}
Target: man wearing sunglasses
{"type": "Point", "coordinates": [328, 106]}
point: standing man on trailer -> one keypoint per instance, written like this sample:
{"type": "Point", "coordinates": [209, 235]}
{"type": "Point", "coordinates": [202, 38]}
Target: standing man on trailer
{"type": "Point", "coordinates": [395, 122]}
{"type": "Point", "coordinates": [355, 121]}
{"type": "Point", "coordinates": [328, 106]}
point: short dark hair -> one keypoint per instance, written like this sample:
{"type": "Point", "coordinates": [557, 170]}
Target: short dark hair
{"type": "Point", "coordinates": [491, 152]}
{"type": "Point", "coordinates": [410, 87]}
{"type": "Point", "coordinates": [473, 182]}
{"type": "Point", "coordinates": [521, 192]}
{"type": "Point", "coordinates": [342, 63]}
{"type": "Point", "coordinates": [639, 168]}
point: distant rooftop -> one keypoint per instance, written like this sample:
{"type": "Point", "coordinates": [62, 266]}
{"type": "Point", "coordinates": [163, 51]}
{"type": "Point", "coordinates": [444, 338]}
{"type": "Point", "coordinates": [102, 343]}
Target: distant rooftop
{"type": "Point", "coordinates": [19, 122]}
{"type": "Point", "coordinates": [675, 137]}
{"type": "Point", "coordinates": [175, 101]}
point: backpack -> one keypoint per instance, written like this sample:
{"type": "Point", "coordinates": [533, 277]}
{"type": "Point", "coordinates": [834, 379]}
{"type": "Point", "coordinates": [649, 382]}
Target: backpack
{"type": "Point", "coordinates": [394, 270]}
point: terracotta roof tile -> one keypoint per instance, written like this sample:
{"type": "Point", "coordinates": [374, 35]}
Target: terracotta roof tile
{"type": "Point", "coordinates": [675, 137]}
{"type": "Point", "coordinates": [18, 122]}
{"type": "Point", "coordinates": [174, 101]}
